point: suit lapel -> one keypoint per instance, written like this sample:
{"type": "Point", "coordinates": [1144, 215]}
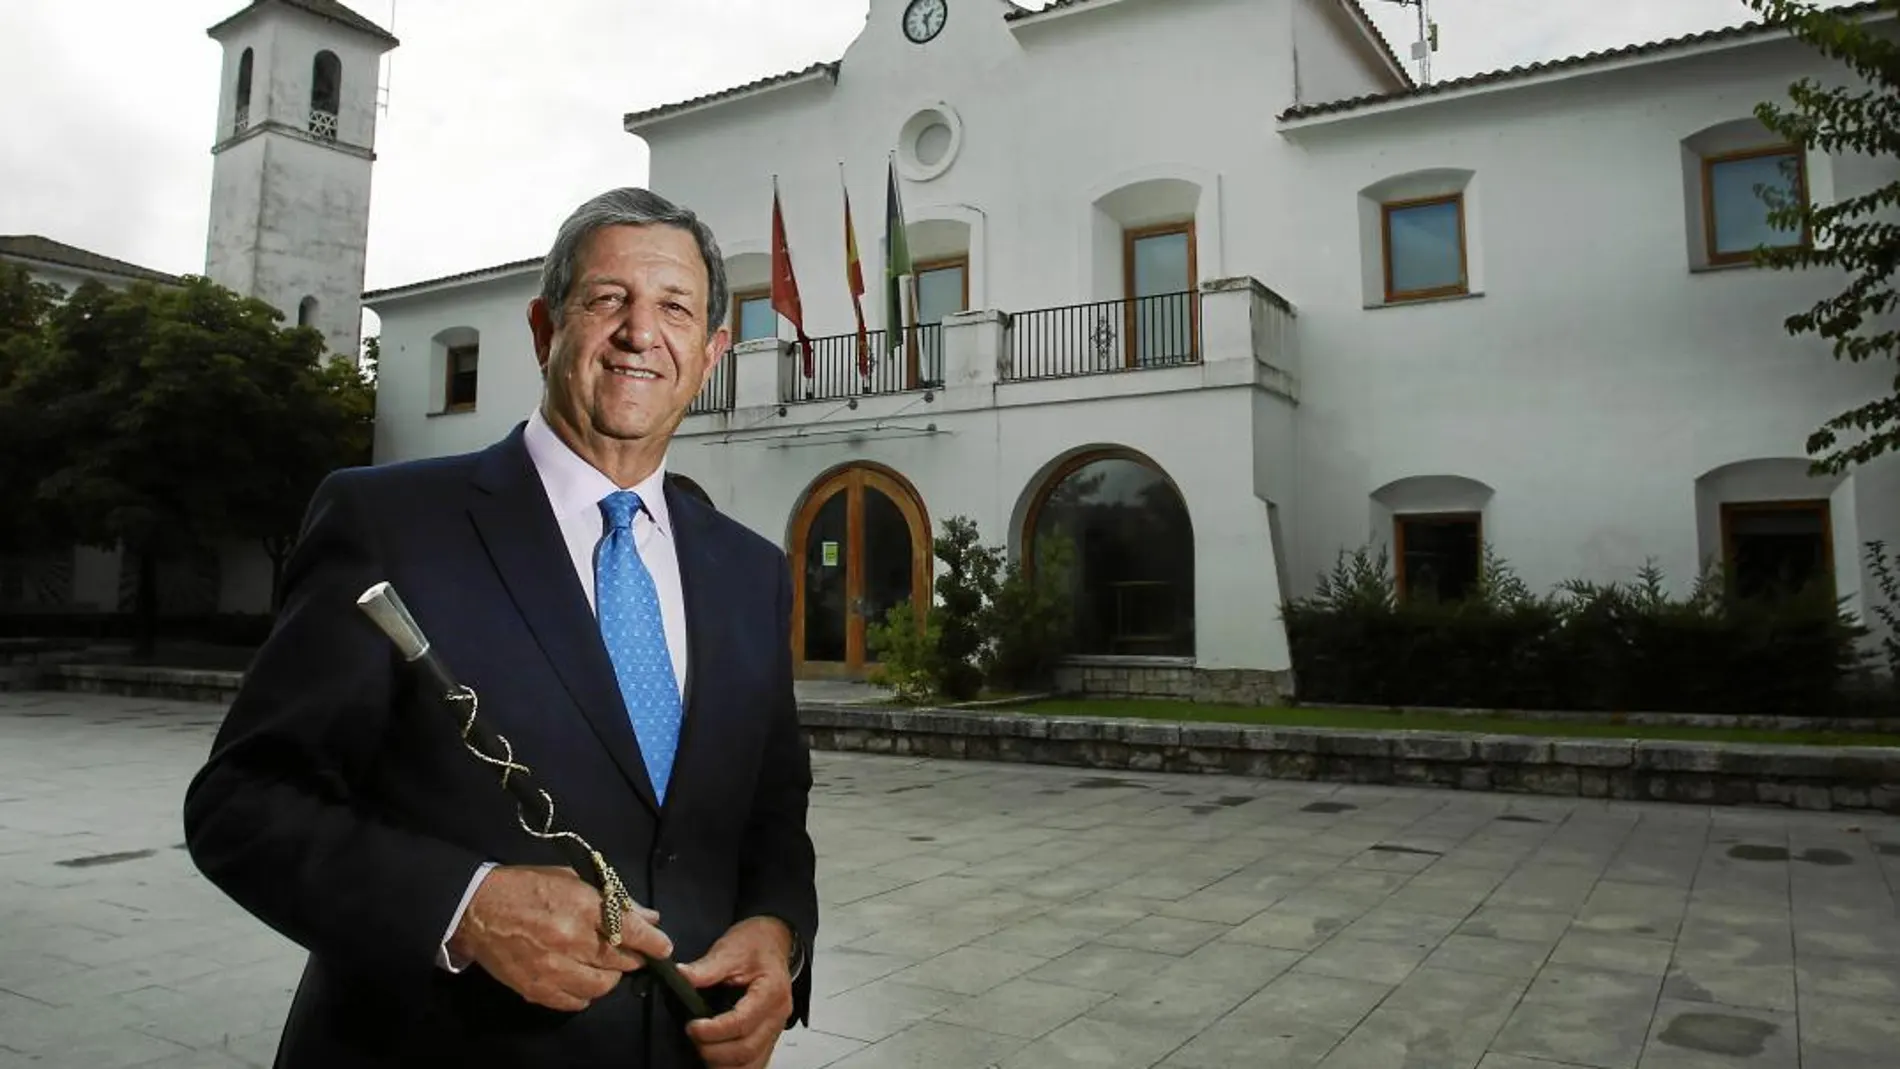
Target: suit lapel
{"type": "Point", "coordinates": [699, 577]}
{"type": "Point", "coordinates": [516, 524]}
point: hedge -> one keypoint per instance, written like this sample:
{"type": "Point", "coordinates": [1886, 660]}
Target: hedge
{"type": "Point", "coordinates": [1586, 647]}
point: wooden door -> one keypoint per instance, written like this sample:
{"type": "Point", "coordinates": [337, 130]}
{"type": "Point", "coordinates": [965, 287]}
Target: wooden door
{"type": "Point", "coordinates": [860, 545]}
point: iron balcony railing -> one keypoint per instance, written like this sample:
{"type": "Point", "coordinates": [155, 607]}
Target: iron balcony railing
{"type": "Point", "coordinates": [717, 394]}
{"type": "Point", "coordinates": [837, 372]}
{"type": "Point", "coordinates": [1106, 336]}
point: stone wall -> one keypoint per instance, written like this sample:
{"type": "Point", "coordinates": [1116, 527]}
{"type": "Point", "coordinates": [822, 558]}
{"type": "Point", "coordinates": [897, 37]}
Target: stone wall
{"type": "Point", "coordinates": [1800, 777]}
{"type": "Point", "coordinates": [1804, 777]}
{"type": "Point", "coordinates": [1170, 679]}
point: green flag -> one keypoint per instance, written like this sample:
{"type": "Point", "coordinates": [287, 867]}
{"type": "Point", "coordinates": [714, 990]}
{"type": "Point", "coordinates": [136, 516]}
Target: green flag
{"type": "Point", "coordinates": [896, 264]}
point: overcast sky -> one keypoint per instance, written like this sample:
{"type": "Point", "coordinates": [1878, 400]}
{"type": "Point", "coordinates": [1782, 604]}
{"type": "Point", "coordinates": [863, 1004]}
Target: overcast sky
{"type": "Point", "coordinates": [498, 123]}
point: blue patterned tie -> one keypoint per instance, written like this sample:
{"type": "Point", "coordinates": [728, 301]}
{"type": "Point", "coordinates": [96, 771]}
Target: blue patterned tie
{"type": "Point", "coordinates": [628, 605]}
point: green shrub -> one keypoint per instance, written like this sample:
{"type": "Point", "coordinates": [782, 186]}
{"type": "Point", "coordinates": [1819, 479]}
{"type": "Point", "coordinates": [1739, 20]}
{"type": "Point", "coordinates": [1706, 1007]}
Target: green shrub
{"type": "Point", "coordinates": [908, 661]}
{"type": "Point", "coordinates": [1031, 617]}
{"type": "Point", "coordinates": [1616, 646]}
{"type": "Point", "coordinates": [1006, 632]}
{"type": "Point", "coordinates": [966, 587]}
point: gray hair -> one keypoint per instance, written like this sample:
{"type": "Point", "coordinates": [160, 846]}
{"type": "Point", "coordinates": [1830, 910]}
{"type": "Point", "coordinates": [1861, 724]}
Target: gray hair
{"type": "Point", "coordinates": [630, 206]}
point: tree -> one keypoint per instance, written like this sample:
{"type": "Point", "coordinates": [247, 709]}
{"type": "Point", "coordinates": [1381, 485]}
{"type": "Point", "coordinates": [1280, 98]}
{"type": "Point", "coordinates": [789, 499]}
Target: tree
{"type": "Point", "coordinates": [174, 418]}
{"type": "Point", "coordinates": [1849, 235]}
{"type": "Point", "coordinates": [322, 418]}
{"type": "Point", "coordinates": [26, 307]}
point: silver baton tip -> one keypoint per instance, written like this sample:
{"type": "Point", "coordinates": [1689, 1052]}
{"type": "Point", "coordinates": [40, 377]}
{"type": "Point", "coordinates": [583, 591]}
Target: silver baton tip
{"type": "Point", "coordinates": [381, 604]}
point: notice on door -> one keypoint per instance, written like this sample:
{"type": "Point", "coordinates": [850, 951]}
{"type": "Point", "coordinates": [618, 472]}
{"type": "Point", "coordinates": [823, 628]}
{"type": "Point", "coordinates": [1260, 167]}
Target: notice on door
{"type": "Point", "coordinates": [830, 551]}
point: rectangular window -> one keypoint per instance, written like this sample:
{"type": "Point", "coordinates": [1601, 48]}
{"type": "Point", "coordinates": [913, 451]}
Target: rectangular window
{"type": "Point", "coordinates": [1439, 555]}
{"type": "Point", "coordinates": [1776, 548]}
{"type": "Point", "coordinates": [943, 289]}
{"type": "Point", "coordinates": [1424, 248]}
{"type": "Point", "coordinates": [753, 317]}
{"type": "Point", "coordinates": [462, 365]}
{"type": "Point", "coordinates": [1161, 276]}
{"type": "Point", "coordinates": [1736, 209]}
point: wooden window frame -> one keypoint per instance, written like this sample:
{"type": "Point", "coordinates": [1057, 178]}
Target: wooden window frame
{"type": "Point", "coordinates": [1458, 289]}
{"type": "Point", "coordinates": [739, 298]}
{"type": "Point", "coordinates": [1132, 235]}
{"type": "Point", "coordinates": [448, 382]}
{"type": "Point", "coordinates": [944, 263]}
{"type": "Point", "coordinates": [1731, 508]}
{"type": "Point", "coordinates": [1710, 163]}
{"type": "Point", "coordinates": [1399, 520]}
{"type": "Point", "coordinates": [913, 353]}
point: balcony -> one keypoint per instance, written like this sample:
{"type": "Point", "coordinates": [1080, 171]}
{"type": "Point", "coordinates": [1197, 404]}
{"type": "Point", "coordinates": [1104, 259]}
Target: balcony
{"type": "Point", "coordinates": [1229, 332]}
{"type": "Point", "coordinates": [1104, 337]}
{"type": "Point", "coordinates": [718, 395]}
{"type": "Point", "coordinates": [838, 370]}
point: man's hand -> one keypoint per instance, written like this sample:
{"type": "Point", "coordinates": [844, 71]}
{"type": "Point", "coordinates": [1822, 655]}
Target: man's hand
{"type": "Point", "coordinates": [753, 954]}
{"type": "Point", "coordinates": [537, 930]}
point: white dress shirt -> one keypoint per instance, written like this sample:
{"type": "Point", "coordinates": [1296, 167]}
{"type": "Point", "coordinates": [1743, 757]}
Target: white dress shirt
{"type": "Point", "coordinates": [575, 489]}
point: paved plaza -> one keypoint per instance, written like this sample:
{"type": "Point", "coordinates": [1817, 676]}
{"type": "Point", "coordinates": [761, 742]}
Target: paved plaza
{"type": "Point", "coordinates": [980, 915]}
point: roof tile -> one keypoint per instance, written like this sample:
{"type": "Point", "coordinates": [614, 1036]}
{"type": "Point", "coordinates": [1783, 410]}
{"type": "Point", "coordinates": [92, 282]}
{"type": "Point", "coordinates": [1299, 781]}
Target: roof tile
{"type": "Point", "coordinates": [46, 250]}
{"type": "Point", "coordinates": [1528, 70]}
{"type": "Point", "coordinates": [323, 9]}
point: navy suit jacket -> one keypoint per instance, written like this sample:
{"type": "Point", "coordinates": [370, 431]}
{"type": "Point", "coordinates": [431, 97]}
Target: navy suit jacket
{"type": "Point", "coordinates": [339, 806]}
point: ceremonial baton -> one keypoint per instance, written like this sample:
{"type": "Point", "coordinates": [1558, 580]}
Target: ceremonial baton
{"type": "Point", "coordinates": [382, 606]}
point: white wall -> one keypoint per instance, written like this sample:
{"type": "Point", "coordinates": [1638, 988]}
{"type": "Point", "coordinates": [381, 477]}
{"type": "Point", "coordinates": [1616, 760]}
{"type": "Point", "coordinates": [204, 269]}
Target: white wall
{"type": "Point", "coordinates": [411, 374]}
{"type": "Point", "coordinates": [1598, 376]}
{"type": "Point", "coordinates": [1055, 114]}
{"type": "Point", "coordinates": [1333, 59]}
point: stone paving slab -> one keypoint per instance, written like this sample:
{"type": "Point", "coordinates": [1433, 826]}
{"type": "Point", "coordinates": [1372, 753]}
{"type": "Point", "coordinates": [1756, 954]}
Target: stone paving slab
{"type": "Point", "coordinates": [1028, 917]}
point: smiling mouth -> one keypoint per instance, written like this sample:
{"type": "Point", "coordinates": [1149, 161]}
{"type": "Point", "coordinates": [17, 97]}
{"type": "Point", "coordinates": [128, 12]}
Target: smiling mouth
{"type": "Point", "coordinates": [637, 373]}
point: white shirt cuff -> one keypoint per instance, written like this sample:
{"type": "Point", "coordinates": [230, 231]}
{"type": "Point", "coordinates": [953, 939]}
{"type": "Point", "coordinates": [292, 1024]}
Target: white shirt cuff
{"type": "Point", "coordinates": [443, 959]}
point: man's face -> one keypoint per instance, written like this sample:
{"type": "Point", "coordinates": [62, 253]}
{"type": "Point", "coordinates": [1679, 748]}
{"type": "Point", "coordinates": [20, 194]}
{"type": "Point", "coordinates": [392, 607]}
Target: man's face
{"type": "Point", "coordinates": [632, 348]}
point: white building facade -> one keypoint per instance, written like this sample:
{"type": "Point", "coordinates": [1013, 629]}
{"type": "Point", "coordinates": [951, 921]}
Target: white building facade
{"type": "Point", "coordinates": [1215, 290]}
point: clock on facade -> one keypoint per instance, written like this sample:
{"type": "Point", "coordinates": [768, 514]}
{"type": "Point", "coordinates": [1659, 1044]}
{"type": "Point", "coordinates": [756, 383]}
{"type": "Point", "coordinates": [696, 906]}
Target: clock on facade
{"type": "Point", "coordinates": [924, 19]}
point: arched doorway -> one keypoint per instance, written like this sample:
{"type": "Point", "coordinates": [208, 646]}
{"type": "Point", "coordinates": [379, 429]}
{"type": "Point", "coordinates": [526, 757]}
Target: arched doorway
{"type": "Point", "coordinates": [860, 544]}
{"type": "Point", "coordinates": [1132, 580]}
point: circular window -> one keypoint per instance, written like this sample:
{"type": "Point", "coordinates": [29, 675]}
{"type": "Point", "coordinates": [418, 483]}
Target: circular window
{"type": "Point", "coordinates": [933, 144]}
{"type": "Point", "coordinates": [928, 143]}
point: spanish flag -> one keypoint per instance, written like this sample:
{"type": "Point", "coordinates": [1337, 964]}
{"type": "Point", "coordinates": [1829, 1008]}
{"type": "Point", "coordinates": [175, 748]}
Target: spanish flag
{"type": "Point", "coordinates": [854, 278]}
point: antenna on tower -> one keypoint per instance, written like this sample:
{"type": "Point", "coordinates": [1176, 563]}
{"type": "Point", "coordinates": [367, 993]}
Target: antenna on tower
{"type": "Point", "coordinates": [1427, 42]}
{"type": "Point", "coordinates": [389, 67]}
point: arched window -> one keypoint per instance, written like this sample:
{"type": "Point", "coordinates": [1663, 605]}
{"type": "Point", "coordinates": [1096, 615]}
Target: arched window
{"type": "Point", "coordinates": [306, 311]}
{"type": "Point", "coordinates": [326, 91]}
{"type": "Point", "coordinates": [1144, 242]}
{"type": "Point", "coordinates": [1768, 524]}
{"type": "Point", "coordinates": [1417, 237]}
{"type": "Point", "coordinates": [1132, 580]}
{"type": "Point", "coordinates": [456, 357]}
{"type": "Point", "coordinates": [1734, 174]}
{"type": "Point", "coordinates": [242, 119]}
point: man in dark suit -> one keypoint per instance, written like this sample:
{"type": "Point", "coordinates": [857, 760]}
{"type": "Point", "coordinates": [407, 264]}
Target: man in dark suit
{"type": "Point", "coordinates": [630, 642]}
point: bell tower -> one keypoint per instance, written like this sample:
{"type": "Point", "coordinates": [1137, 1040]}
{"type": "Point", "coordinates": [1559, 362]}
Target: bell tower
{"type": "Point", "coordinates": [291, 160]}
